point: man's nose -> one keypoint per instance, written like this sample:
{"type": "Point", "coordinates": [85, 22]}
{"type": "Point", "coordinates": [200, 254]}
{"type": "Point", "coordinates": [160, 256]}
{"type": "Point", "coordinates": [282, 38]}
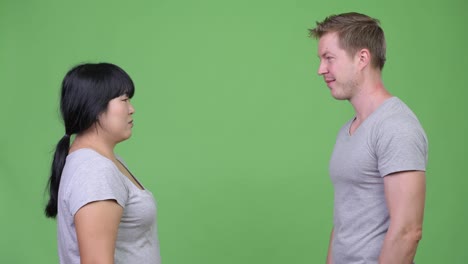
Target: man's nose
{"type": "Point", "coordinates": [322, 69]}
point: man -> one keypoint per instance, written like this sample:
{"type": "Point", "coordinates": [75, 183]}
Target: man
{"type": "Point", "coordinates": [379, 159]}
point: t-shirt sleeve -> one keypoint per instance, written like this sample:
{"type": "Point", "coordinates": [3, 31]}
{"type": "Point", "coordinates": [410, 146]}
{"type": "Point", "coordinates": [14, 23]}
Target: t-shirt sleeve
{"type": "Point", "coordinates": [96, 181]}
{"type": "Point", "coordinates": [401, 145]}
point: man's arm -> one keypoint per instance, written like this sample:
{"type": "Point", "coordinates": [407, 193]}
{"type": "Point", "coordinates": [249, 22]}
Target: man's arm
{"type": "Point", "coordinates": [405, 194]}
{"type": "Point", "coordinates": [329, 255]}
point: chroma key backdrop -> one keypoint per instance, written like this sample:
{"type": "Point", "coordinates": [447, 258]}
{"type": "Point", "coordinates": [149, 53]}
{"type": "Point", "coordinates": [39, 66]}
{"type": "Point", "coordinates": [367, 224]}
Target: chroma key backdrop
{"type": "Point", "coordinates": [233, 126]}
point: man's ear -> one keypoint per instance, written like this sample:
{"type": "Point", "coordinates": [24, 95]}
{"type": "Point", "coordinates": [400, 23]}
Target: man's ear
{"type": "Point", "coordinates": [364, 58]}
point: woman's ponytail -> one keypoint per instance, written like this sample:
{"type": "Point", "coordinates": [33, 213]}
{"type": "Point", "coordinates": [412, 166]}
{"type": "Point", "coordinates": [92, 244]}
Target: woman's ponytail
{"type": "Point", "coordinates": [61, 152]}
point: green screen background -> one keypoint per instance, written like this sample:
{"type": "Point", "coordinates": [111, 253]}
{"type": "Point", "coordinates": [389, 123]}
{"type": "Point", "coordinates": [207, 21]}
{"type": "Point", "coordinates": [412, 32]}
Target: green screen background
{"type": "Point", "coordinates": [233, 127]}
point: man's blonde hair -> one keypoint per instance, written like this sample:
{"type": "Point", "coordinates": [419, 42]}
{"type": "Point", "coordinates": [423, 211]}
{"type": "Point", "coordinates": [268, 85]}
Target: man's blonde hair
{"type": "Point", "coordinates": [355, 31]}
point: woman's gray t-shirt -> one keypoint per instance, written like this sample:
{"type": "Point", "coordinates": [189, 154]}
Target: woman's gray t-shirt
{"type": "Point", "coordinates": [88, 177]}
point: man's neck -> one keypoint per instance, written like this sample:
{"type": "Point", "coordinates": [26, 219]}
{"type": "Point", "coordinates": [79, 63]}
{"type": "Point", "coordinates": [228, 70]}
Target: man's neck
{"type": "Point", "coordinates": [369, 98]}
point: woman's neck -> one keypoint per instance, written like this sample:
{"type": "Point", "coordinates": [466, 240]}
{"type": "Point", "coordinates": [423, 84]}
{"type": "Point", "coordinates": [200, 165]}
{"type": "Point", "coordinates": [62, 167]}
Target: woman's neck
{"type": "Point", "coordinates": [94, 142]}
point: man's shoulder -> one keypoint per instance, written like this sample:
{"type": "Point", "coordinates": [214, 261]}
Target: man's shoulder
{"type": "Point", "coordinates": [396, 114]}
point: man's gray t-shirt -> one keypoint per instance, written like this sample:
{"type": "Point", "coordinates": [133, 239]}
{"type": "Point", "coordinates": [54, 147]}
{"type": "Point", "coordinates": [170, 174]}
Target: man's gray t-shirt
{"type": "Point", "coordinates": [390, 140]}
{"type": "Point", "coordinates": [89, 177]}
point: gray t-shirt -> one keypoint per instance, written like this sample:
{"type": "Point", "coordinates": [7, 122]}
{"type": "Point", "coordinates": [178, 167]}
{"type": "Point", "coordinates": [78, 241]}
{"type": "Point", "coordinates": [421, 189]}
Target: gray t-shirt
{"type": "Point", "coordinates": [88, 177]}
{"type": "Point", "coordinates": [390, 140]}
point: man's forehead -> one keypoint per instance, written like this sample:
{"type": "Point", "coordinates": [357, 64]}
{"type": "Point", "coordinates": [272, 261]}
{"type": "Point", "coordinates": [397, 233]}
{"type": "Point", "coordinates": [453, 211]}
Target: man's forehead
{"type": "Point", "coordinates": [328, 44]}
{"type": "Point", "coordinates": [324, 48]}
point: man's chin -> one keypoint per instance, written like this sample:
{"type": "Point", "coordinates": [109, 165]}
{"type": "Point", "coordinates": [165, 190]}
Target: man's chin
{"type": "Point", "coordinates": [340, 97]}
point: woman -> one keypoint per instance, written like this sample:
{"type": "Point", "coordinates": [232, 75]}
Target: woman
{"type": "Point", "coordinates": [104, 214]}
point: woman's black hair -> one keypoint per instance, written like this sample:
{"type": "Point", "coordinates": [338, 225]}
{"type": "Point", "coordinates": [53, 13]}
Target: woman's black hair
{"type": "Point", "coordinates": [86, 92]}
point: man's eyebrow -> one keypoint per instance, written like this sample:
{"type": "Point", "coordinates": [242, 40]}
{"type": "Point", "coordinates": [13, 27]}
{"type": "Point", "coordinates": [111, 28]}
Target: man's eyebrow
{"type": "Point", "coordinates": [324, 54]}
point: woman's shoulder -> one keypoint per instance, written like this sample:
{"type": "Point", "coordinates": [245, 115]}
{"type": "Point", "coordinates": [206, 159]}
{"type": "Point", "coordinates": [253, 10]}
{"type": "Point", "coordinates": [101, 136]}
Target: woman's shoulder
{"type": "Point", "coordinates": [86, 166]}
{"type": "Point", "coordinates": [87, 157]}
{"type": "Point", "coordinates": [88, 162]}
